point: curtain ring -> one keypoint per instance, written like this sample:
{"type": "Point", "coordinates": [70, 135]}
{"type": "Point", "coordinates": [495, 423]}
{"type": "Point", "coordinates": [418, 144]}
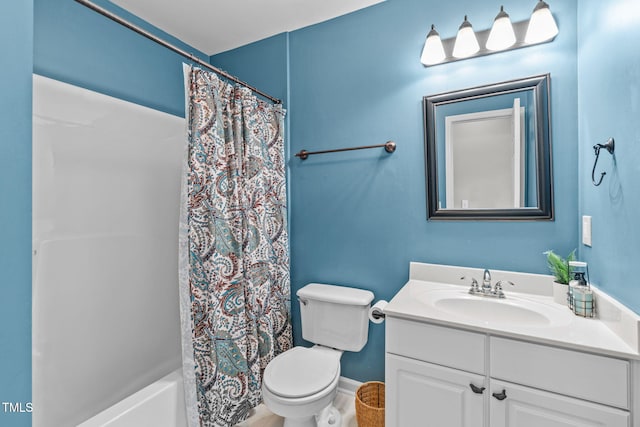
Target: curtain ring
{"type": "Point", "coordinates": [609, 146]}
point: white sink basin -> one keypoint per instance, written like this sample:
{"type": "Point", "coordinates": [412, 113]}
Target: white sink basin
{"type": "Point", "coordinates": [492, 310]}
{"type": "Point", "coordinates": [496, 311]}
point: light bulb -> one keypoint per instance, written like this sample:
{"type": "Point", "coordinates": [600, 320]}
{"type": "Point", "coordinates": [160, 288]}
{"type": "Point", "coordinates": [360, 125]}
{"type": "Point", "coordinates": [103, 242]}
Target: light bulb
{"type": "Point", "coordinates": [466, 42]}
{"type": "Point", "coordinates": [433, 51]}
{"type": "Point", "coordinates": [501, 35]}
{"type": "Point", "coordinates": [542, 26]}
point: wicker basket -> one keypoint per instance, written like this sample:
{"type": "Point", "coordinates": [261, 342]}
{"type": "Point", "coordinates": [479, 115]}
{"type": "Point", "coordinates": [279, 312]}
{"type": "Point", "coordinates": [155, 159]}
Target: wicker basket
{"type": "Point", "coordinates": [370, 404]}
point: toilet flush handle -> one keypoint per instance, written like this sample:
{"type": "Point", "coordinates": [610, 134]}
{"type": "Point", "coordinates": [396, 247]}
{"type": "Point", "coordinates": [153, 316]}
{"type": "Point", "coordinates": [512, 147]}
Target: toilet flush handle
{"type": "Point", "coordinates": [302, 301]}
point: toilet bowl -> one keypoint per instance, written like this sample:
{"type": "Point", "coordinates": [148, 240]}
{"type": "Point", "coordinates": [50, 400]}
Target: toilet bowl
{"type": "Point", "coordinates": [301, 384]}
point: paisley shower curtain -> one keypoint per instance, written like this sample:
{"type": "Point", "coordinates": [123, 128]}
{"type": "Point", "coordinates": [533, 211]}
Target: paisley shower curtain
{"type": "Point", "coordinates": [234, 254]}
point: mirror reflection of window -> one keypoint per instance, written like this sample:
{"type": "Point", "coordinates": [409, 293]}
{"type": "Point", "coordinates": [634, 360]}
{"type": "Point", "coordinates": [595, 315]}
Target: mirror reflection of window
{"type": "Point", "coordinates": [484, 155]}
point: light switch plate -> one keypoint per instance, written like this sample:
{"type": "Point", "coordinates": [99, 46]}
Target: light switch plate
{"type": "Point", "coordinates": [586, 230]}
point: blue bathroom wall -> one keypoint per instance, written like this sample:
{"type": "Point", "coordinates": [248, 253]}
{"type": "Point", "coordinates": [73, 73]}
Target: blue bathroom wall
{"type": "Point", "coordinates": [359, 218]}
{"type": "Point", "coordinates": [76, 45]}
{"type": "Point", "coordinates": [609, 106]}
{"type": "Point", "coordinates": [16, 28]}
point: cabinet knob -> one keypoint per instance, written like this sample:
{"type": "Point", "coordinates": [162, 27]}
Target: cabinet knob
{"type": "Point", "coordinates": [476, 389]}
{"type": "Point", "coordinates": [500, 396]}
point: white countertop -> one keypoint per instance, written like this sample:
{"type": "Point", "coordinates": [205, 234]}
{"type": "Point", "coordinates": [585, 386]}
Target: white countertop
{"type": "Point", "coordinates": [615, 334]}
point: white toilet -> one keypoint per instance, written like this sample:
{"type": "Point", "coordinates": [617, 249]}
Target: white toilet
{"type": "Point", "coordinates": [300, 384]}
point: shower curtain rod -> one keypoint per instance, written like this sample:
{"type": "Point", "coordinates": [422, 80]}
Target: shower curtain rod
{"type": "Point", "coordinates": [192, 57]}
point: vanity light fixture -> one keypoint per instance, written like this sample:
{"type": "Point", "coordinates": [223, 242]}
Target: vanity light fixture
{"type": "Point", "coordinates": [466, 41]}
{"type": "Point", "coordinates": [433, 51]}
{"type": "Point", "coordinates": [542, 26]}
{"type": "Point", "coordinates": [503, 36]}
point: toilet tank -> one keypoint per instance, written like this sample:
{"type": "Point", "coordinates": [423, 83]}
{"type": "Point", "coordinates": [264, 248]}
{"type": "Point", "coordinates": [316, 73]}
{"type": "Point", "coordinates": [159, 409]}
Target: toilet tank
{"type": "Point", "coordinates": [335, 316]}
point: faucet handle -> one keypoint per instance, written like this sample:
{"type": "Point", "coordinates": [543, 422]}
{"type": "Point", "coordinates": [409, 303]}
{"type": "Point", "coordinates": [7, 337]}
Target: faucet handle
{"type": "Point", "coordinates": [505, 282]}
{"type": "Point", "coordinates": [474, 285]}
{"type": "Point", "coordinates": [497, 288]}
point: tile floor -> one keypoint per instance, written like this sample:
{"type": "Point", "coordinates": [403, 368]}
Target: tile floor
{"type": "Point", "coordinates": [344, 402]}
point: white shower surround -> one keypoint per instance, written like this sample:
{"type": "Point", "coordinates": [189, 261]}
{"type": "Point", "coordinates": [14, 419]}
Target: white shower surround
{"type": "Point", "coordinates": [106, 191]}
{"type": "Point", "coordinates": [160, 404]}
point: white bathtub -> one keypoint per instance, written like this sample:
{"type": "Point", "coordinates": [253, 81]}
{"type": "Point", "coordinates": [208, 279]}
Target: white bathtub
{"type": "Point", "coordinates": [160, 404]}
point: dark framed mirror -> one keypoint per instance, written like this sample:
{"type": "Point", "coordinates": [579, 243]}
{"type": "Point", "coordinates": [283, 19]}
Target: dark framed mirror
{"type": "Point", "coordinates": [488, 152]}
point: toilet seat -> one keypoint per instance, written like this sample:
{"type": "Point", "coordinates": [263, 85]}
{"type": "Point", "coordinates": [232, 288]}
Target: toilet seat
{"type": "Point", "coordinates": [301, 372]}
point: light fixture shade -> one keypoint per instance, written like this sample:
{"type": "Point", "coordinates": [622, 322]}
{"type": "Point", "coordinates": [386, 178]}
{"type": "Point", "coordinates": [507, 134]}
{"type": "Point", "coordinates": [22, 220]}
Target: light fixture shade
{"type": "Point", "coordinates": [433, 51]}
{"type": "Point", "coordinates": [501, 35]}
{"type": "Point", "coordinates": [466, 43]}
{"type": "Point", "coordinates": [542, 26]}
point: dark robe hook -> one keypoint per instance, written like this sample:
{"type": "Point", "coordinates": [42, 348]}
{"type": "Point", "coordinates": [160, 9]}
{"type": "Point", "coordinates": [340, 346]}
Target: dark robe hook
{"type": "Point", "coordinates": [609, 146]}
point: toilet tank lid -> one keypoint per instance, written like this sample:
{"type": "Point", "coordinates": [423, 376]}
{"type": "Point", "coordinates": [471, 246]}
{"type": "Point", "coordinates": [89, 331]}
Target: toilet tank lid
{"type": "Point", "coordinates": [335, 294]}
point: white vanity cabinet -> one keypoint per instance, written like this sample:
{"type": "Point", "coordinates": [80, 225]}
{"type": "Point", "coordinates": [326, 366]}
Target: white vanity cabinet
{"type": "Point", "coordinates": [439, 376]}
{"type": "Point", "coordinates": [425, 394]}
{"type": "Point", "coordinates": [530, 407]}
{"type": "Point", "coordinates": [435, 376]}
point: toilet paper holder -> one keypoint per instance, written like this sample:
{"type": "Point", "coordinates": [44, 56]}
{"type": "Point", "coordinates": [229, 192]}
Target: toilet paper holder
{"type": "Point", "coordinates": [376, 312]}
{"type": "Point", "coordinates": [378, 315]}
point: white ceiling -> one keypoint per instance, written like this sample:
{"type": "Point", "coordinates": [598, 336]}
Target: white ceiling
{"type": "Point", "coordinates": [214, 26]}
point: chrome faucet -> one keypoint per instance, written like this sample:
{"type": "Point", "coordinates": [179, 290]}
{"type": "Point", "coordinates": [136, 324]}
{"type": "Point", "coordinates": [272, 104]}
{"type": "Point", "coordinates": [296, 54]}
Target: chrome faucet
{"type": "Point", "coordinates": [487, 290]}
{"type": "Point", "coordinates": [486, 281]}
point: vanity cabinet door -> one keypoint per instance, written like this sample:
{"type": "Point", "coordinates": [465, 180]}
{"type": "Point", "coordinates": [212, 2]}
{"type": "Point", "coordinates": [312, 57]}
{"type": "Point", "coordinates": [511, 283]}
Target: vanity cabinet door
{"type": "Point", "coordinates": [420, 394]}
{"type": "Point", "coordinates": [517, 406]}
